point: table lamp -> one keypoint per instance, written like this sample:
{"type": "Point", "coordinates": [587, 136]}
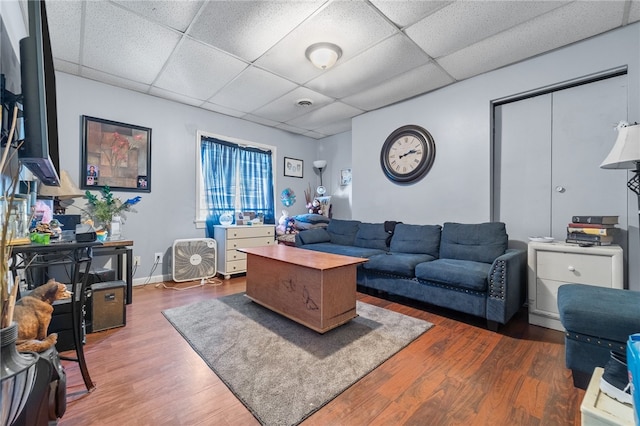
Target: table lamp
{"type": "Point", "coordinates": [63, 195]}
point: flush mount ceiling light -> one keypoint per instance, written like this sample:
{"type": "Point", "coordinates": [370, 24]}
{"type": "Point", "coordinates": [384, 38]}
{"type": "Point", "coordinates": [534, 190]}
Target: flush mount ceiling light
{"type": "Point", "coordinates": [323, 55]}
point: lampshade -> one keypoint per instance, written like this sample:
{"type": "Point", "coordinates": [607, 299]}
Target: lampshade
{"type": "Point", "coordinates": [67, 188]}
{"type": "Point", "coordinates": [323, 55]}
{"type": "Point", "coordinates": [320, 164]}
{"type": "Point", "coordinates": [626, 151]}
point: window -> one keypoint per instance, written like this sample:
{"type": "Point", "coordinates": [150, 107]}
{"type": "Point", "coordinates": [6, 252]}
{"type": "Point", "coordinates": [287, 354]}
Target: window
{"type": "Point", "coordinates": [233, 176]}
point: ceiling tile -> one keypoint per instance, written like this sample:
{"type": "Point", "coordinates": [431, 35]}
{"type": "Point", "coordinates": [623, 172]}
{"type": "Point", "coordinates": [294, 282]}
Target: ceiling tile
{"type": "Point", "coordinates": [65, 19]}
{"type": "Point", "coordinates": [198, 71]}
{"type": "Point", "coordinates": [223, 110]}
{"type": "Point", "coordinates": [286, 107]}
{"type": "Point", "coordinates": [68, 67]}
{"type": "Point", "coordinates": [323, 116]}
{"type": "Point", "coordinates": [566, 25]}
{"type": "Point", "coordinates": [406, 12]}
{"type": "Point", "coordinates": [260, 120]}
{"type": "Point", "coordinates": [335, 127]}
{"type": "Point", "coordinates": [634, 12]}
{"type": "Point", "coordinates": [249, 28]}
{"type": "Point", "coordinates": [387, 59]}
{"type": "Point", "coordinates": [252, 89]}
{"type": "Point", "coordinates": [121, 43]}
{"type": "Point", "coordinates": [479, 20]}
{"type": "Point", "coordinates": [353, 26]}
{"type": "Point", "coordinates": [174, 14]}
{"type": "Point", "coordinates": [414, 82]}
{"type": "Point", "coordinates": [113, 80]}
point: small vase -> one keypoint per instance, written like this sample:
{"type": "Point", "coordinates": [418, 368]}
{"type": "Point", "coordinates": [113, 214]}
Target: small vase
{"type": "Point", "coordinates": [17, 375]}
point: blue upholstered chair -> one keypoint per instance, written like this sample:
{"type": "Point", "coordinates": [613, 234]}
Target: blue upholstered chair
{"type": "Point", "coordinates": [597, 320]}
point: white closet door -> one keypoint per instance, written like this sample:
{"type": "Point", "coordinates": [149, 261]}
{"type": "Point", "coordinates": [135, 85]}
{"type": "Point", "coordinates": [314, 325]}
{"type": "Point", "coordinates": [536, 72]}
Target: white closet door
{"type": "Point", "coordinates": [548, 151]}
{"type": "Point", "coordinates": [523, 166]}
{"type": "Point", "coordinates": [583, 135]}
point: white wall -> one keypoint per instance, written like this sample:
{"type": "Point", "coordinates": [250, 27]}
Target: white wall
{"type": "Point", "coordinates": [458, 187]}
{"type": "Point", "coordinates": [337, 151]}
{"type": "Point", "coordinates": [168, 212]}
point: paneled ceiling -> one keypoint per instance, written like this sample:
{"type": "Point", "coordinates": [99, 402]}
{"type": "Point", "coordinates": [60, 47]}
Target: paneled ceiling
{"type": "Point", "coordinates": [246, 59]}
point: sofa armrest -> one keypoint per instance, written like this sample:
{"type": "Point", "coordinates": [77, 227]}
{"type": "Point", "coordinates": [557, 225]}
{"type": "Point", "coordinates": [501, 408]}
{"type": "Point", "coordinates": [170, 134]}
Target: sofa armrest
{"type": "Point", "coordinates": [506, 292]}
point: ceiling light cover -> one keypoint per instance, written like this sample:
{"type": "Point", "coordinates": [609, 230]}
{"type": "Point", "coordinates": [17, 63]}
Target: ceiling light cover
{"type": "Point", "coordinates": [323, 55]}
{"type": "Point", "coordinates": [320, 164]}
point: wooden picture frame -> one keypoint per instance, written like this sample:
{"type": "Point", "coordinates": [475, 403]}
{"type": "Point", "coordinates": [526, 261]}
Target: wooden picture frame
{"type": "Point", "coordinates": [293, 167]}
{"type": "Point", "coordinates": [115, 154]}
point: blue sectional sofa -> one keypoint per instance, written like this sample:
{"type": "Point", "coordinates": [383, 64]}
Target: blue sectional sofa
{"type": "Point", "coordinates": [464, 267]}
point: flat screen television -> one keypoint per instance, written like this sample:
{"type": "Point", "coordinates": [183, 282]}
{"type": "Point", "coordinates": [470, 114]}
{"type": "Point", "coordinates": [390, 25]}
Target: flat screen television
{"type": "Point", "coordinates": [39, 151]}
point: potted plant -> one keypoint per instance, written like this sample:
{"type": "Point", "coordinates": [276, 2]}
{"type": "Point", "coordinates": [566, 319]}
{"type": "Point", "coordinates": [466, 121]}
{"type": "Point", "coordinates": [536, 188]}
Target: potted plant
{"type": "Point", "coordinates": [102, 211]}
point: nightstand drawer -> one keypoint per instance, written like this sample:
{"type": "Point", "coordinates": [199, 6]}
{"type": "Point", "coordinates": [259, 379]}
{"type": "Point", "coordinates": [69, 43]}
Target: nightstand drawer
{"type": "Point", "coordinates": [575, 268]}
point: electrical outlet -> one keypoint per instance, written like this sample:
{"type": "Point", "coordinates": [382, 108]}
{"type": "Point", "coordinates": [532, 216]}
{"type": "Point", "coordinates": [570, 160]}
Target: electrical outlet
{"type": "Point", "coordinates": [157, 258]}
{"type": "Point", "coordinates": [136, 261]}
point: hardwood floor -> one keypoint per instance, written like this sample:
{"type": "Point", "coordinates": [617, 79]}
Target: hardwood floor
{"type": "Point", "coordinates": [457, 373]}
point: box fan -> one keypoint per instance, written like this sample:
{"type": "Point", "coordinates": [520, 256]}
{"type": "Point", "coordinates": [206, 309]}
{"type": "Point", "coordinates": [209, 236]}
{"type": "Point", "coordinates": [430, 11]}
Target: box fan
{"type": "Point", "coordinates": [194, 259]}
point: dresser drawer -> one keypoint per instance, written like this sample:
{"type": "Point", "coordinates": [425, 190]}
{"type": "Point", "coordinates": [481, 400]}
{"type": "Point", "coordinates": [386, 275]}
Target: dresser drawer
{"type": "Point", "coordinates": [250, 232]}
{"type": "Point", "coordinates": [236, 266]}
{"type": "Point", "coordinates": [234, 254]}
{"type": "Point", "coordinates": [250, 242]}
{"type": "Point", "coordinates": [575, 268]}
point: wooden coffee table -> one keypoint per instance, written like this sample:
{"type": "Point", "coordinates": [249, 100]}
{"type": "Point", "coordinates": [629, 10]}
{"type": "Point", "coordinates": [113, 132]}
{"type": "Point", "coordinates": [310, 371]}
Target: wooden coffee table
{"type": "Point", "coordinates": [315, 289]}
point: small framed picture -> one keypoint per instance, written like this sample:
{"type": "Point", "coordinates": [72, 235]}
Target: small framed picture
{"type": "Point", "coordinates": [345, 177]}
{"type": "Point", "coordinates": [293, 167]}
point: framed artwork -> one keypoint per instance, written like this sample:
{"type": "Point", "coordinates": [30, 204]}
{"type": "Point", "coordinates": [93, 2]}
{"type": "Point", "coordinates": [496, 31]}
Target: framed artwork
{"type": "Point", "coordinates": [115, 154]}
{"type": "Point", "coordinates": [293, 167]}
{"type": "Point", "coordinates": [345, 177]}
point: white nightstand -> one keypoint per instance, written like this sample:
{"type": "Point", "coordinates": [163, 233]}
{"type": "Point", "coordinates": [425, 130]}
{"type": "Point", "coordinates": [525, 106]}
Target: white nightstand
{"type": "Point", "coordinates": [554, 264]}
{"type": "Point", "coordinates": [599, 409]}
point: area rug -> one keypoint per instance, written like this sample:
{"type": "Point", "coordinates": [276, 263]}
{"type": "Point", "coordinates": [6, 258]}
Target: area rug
{"type": "Point", "coordinates": [280, 370]}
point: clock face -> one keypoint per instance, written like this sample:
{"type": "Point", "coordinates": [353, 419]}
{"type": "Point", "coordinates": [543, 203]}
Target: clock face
{"type": "Point", "coordinates": [407, 154]}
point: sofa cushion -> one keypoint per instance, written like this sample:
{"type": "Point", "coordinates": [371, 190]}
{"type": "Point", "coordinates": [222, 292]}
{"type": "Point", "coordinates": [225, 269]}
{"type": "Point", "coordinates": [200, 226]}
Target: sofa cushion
{"type": "Point", "coordinates": [343, 250]}
{"type": "Point", "coordinates": [311, 218]}
{"type": "Point", "coordinates": [424, 239]}
{"type": "Point", "coordinates": [316, 235]}
{"type": "Point", "coordinates": [403, 264]}
{"type": "Point", "coordinates": [343, 231]}
{"type": "Point", "coordinates": [456, 273]}
{"type": "Point", "coordinates": [371, 235]}
{"type": "Point", "coordinates": [480, 242]}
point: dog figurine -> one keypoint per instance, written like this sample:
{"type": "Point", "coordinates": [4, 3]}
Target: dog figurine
{"type": "Point", "coordinates": [33, 312]}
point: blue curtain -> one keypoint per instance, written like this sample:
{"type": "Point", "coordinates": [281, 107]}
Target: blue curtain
{"type": "Point", "coordinates": [256, 187]}
{"type": "Point", "coordinates": [219, 162]}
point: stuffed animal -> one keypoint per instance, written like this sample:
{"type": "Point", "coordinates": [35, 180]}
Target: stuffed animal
{"type": "Point", "coordinates": [291, 226]}
{"type": "Point", "coordinates": [315, 207]}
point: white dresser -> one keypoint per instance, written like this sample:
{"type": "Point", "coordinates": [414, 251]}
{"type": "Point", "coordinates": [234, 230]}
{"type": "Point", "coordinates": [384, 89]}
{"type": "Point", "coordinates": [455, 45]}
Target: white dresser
{"type": "Point", "coordinates": [231, 237]}
{"type": "Point", "coordinates": [554, 264]}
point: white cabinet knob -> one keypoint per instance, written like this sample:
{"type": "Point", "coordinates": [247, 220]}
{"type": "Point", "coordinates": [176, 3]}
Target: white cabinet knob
{"type": "Point", "coordinates": [560, 189]}
{"type": "Point", "coordinates": [571, 268]}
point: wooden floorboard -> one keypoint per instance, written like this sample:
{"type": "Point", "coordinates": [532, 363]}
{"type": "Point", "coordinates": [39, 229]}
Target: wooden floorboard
{"type": "Point", "coordinates": [457, 373]}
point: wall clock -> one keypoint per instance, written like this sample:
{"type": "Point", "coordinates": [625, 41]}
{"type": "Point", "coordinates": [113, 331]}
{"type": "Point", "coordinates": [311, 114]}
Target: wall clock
{"type": "Point", "coordinates": [407, 154]}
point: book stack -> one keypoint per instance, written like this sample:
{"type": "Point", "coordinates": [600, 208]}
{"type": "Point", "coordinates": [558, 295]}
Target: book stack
{"type": "Point", "coordinates": [592, 230]}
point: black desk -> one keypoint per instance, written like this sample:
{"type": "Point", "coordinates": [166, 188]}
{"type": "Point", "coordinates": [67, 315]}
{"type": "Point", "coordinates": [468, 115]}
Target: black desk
{"type": "Point", "coordinates": [78, 256]}
{"type": "Point", "coordinates": [122, 249]}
